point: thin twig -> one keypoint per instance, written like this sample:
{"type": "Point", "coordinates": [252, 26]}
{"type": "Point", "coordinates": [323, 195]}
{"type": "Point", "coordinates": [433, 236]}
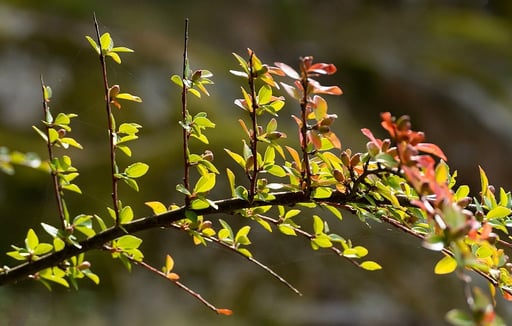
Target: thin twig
{"type": "Point", "coordinates": [176, 282]}
{"type": "Point", "coordinates": [306, 170]}
{"type": "Point", "coordinates": [258, 263]}
{"type": "Point", "coordinates": [111, 131]}
{"type": "Point", "coordinates": [254, 136]}
{"type": "Point", "coordinates": [54, 173]}
{"type": "Point", "coordinates": [184, 115]}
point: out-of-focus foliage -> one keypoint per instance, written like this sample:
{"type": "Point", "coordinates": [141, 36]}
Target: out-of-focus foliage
{"type": "Point", "coordinates": [447, 65]}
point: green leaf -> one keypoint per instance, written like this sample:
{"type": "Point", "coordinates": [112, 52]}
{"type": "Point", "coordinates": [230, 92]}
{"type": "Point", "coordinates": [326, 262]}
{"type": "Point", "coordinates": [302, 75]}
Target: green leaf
{"type": "Point", "coordinates": [132, 183]}
{"type": "Point", "coordinates": [245, 252]}
{"type": "Point", "coordinates": [128, 96]}
{"type": "Point", "coordinates": [445, 266]}
{"type": "Point", "coordinates": [129, 128]}
{"type": "Point", "coordinates": [264, 94]}
{"type": "Point", "coordinates": [370, 265]}
{"type": "Point", "coordinates": [106, 42]}
{"type": "Point", "coordinates": [227, 227]}
{"type": "Point", "coordinates": [31, 241]}
{"type": "Point", "coordinates": [126, 214]}
{"type": "Point", "coordinates": [462, 192]}
{"type": "Point", "coordinates": [121, 49]}
{"type": "Point", "coordinates": [58, 244]}
{"type": "Point", "coordinates": [55, 275]}
{"type": "Point", "coordinates": [322, 192]}
{"type": "Point", "coordinates": [318, 225]}
{"type": "Point", "coordinates": [181, 188]}
{"type": "Point", "coordinates": [72, 187]}
{"type": "Point", "coordinates": [204, 122]}
{"type": "Point", "coordinates": [43, 248]}
{"type": "Point", "coordinates": [498, 212]}
{"type": "Point", "coordinates": [458, 317]}
{"type": "Point", "coordinates": [321, 241]}
{"type": "Point", "coordinates": [236, 157]}
{"type": "Point", "coordinates": [127, 242]}
{"type": "Point", "coordinates": [71, 142]}
{"type": "Point", "coordinates": [231, 180]}
{"type": "Point", "coordinates": [242, 236]}
{"type": "Point", "coordinates": [205, 183]}
{"type": "Point", "coordinates": [287, 229]}
{"type": "Point", "coordinates": [277, 171]}
{"type": "Point", "coordinates": [177, 80]}
{"type": "Point", "coordinates": [93, 44]}
{"type": "Point", "coordinates": [136, 170]}
{"type": "Point", "coordinates": [51, 230]}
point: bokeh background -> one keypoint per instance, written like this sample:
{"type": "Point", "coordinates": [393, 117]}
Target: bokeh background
{"type": "Point", "coordinates": [445, 63]}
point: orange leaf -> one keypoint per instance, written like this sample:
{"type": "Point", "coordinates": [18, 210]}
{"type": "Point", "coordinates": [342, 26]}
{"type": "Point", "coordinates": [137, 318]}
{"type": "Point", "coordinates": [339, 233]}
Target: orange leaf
{"type": "Point", "coordinates": [173, 276]}
{"type": "Point", "coordinates": [322, 68]}
{"type": "Point", "coordinates": [507, 296]}
{"type": "Point", "coordinates": [431, 149]}
{"type": "Point", "coordinates": [226, 312]}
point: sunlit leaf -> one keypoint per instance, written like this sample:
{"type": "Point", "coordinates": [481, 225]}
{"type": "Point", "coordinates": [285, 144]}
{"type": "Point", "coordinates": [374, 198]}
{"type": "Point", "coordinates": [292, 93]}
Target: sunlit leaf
{"type": "Point", "coordinates": [287, 229]}
{"type": "Point", "coordinates": [370, 265]}
{"type": "Point", "coordinates": [136, 170]}
{"type": "Point", "coordinates": [93, 44]}
{"type": "Point", "coordinates": [205, 183]}
{"type": "Point", "coordinates": [446, 265]}
{"type": "Point", "coordinates": [156, 206]}
{"type": "Point", "coordinates": [498, 212]}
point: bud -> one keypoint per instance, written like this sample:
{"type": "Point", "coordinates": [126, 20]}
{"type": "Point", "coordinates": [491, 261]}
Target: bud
{"type": "Point", "coordinates": [345, 159]}
{"type": "Point", "coordinates": [464, 202]}
{"type": "Point", "coordinates": [373, 149]}
{"type": "Point", "coordinates": [84, 265]}
{"type": "Point", "coordinates": [328, 120]}
{"type": "Point", "coordinates": [355, 159]}
{"type": "Point", "coordinates": [112, 92]}
{"type": "Point", "coordinates": [385, 145]}
{"type": "Point", "coordinates": [338, 175]}
{"type": "Point", "coordinates": [323, 129]}
{"type": "Point", "coordinates": [274, 135]}
{"type": "Point", "coordinates": [207, 155]}
{"type": "Point", "coordinates": [206, 225]}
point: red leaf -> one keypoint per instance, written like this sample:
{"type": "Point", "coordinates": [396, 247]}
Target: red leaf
{"type": "Point", "coordinates": [226, 312]}
{"type": "Point", "coordinates": [322, 68]}
{"type": "Point", "coordinates": [507, 296]}
{"type": "Point", "coordinates": [388, 123]}
{"type": "Point", "coordinates": [319, 89]}
{"type": "Point", "coordinates": [368, 133]}
{"type": "Point", "coordinates": [431, 149]}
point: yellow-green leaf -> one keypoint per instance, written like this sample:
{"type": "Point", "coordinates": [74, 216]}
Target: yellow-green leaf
{"type": "Point", "coordinates": [136, 170]}
{"type": "Point", "coordinates": [370, 265]}
{"type": "Point", "coordinates": [156, 206]}
{"type": "Point", "coordinates": [93, 44]}
{"type": "Point", "coordinates": [205, 183]}
{"type": "Point", "coordinates": [498, 212]}
{"type": "Point", "coordinates": [129, 97]}
{"type": "Point", "coordinates": [446, 265]}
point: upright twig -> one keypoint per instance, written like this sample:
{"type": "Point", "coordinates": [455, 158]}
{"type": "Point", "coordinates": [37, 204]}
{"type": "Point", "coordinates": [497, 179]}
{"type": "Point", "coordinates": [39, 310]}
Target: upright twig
{"type": "Point", "coordinates": [184, 116]}
{"type": "Point", "coordinates": [54, 173]}
{"type": "Point", "coordinates": [111, 126]}
{"type": "Point", "coordinates": [304, 103]}
{"type": "Point", "coordinates": [253, 176]}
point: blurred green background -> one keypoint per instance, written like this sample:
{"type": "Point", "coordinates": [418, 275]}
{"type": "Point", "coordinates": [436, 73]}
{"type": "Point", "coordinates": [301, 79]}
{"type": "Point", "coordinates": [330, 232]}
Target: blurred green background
{"type": "Point", "coordinates": [445, 63]}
